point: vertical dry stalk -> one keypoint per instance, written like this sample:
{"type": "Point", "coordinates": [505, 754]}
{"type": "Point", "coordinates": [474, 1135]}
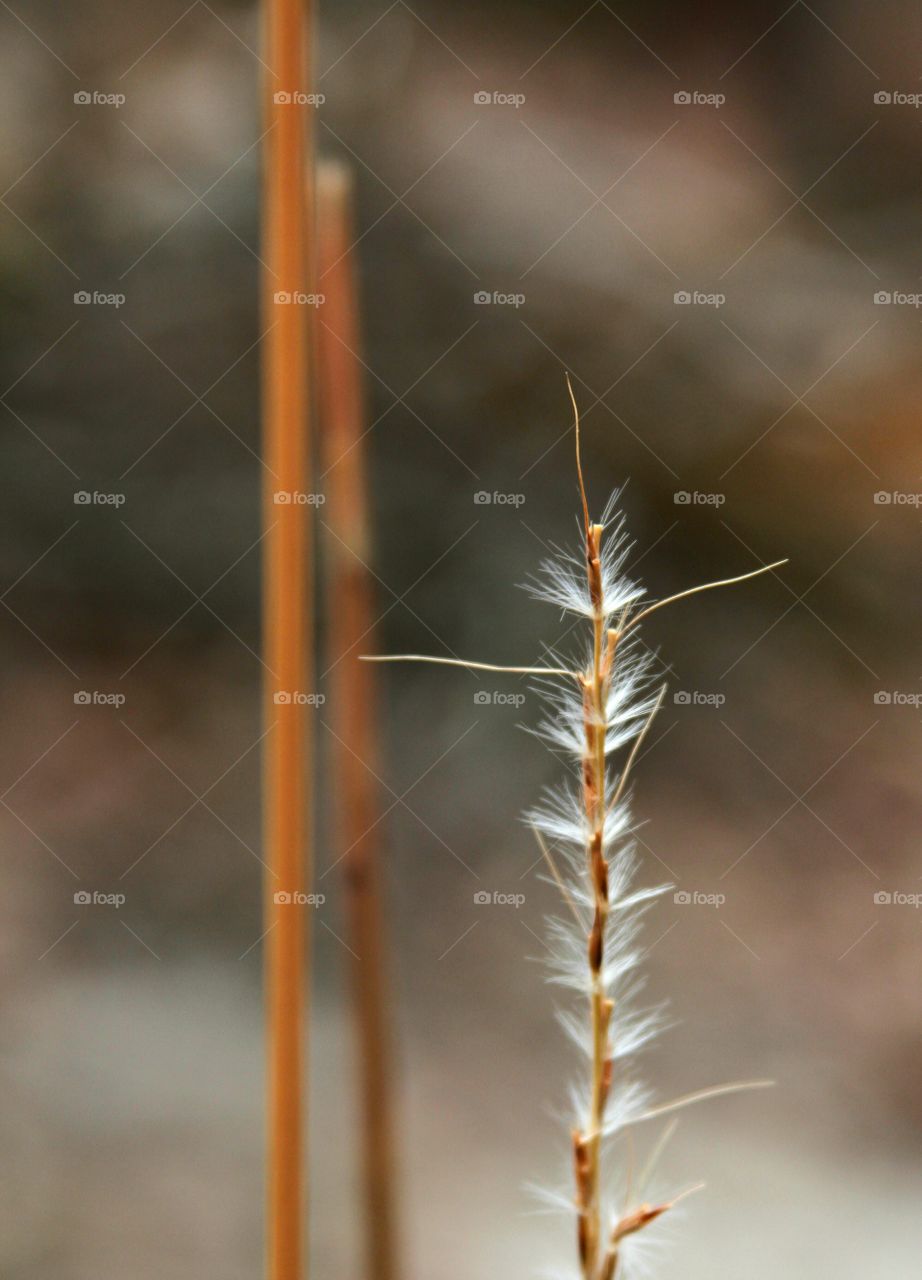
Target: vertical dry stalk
{"type": "Point", "coordinates": [596, 709]}
{"type": "Point", "coordinates": [595, 685]}
{"type": "Point", "coordinates": [286, 638]}
{"type": "Point", "coordinates": [352, 700]}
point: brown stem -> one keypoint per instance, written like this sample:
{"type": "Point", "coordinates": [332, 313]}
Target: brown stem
{"type": "Point", "coordinates": [595, 695]}
{"type": "Point", "coordinates": [286, 610]}
{"type": "Point", "coordinates": [353, 705]}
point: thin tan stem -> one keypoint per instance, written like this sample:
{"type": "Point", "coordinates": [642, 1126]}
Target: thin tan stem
{"type": "Point", "coordinates": [693, 591]}
{"type": "Point", "coordinates": [654, 1156]}
{"type": "Point", "coordinates": [558, 879]}
{"type": "Point", "coordinates": [629, 1174]}
{"type": "Point", "coordinates": [471, 666]}
{"type": "Point", "coordinates": [718, 1091]}
{"type": "Point", "coordinates": [579, 461]}
{"type": "Point", "coordinates": [638, 743]}
{"type": "Point", "coordinates": [689, 1191]}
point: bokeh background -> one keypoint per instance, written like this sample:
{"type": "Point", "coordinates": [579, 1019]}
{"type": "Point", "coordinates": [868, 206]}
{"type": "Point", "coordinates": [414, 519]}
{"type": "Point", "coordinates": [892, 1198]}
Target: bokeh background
{"type": "Point", "coordinates": [537, 154]}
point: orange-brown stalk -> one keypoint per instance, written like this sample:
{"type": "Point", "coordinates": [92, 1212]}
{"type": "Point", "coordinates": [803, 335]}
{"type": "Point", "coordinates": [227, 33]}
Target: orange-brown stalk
{"type": "Point", "coordinates": [352, 711]}
{"type": "Point", "coordinates": [595, 685]}
{"type": "Point", "coordinates": [287, 642]}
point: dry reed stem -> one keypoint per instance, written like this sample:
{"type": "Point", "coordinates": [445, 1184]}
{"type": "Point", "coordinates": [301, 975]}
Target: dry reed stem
{"type": "Point", "coordinates": [595, 683]}
{"type": "Point", "coordinates": [353, 716]}
{"type": "Point", "coordinates": [287, 641]}
{"type": "Point", "coordinates": [599, 1245]}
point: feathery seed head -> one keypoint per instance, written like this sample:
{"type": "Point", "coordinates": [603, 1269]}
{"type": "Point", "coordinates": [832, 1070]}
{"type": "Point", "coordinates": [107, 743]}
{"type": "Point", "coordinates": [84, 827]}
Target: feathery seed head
{"type": "Point", "coordinates": [597, 716]}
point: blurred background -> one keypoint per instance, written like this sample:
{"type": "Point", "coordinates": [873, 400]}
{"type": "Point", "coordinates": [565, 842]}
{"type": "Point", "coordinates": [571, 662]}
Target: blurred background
{"type": "Point", "coordinates": [710, 219]}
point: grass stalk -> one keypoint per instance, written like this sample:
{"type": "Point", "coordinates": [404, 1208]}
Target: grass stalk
{"type": "Point", "coordinates": [287, 640]}
{"type": "Point", "coordinates": [602, 707]}
{"type": "Point", "coordinates": [352, 711]}
{"type": "Point", "coordinates": [588, 1145]}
